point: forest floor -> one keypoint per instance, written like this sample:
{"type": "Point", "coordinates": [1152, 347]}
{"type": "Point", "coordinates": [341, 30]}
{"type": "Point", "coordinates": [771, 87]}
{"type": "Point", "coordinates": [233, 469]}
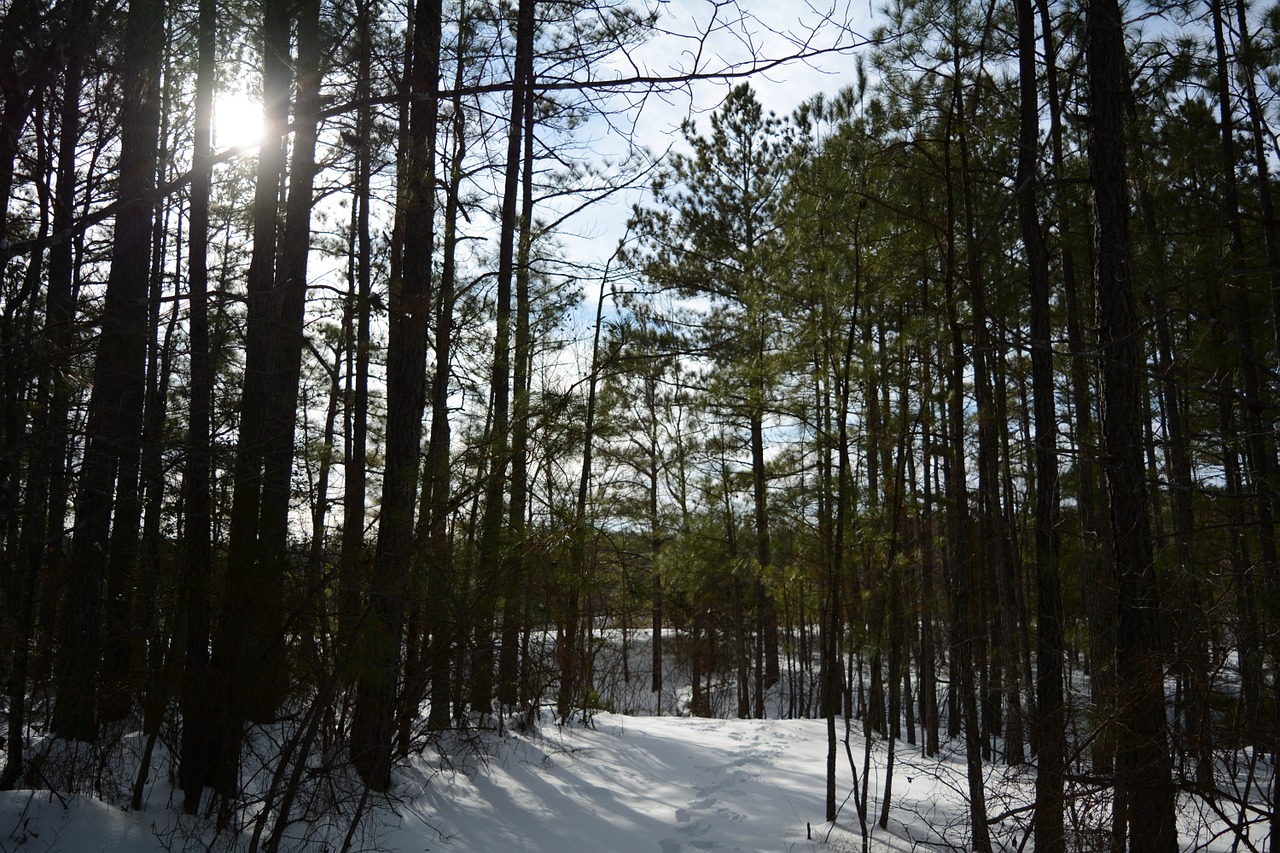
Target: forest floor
{"type": "Point", "coordinates": [617, 783]}
{"type": "Point", "coordinates": [614, 783]}
{"type": "Point", "coordinates": [620, 784]}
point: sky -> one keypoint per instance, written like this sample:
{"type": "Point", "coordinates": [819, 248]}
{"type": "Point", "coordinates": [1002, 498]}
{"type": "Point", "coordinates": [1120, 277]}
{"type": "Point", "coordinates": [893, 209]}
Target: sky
{"type": "Point", "coordinates": [740, 31]}
{"type": "Point", "coordinates": [767, 29]}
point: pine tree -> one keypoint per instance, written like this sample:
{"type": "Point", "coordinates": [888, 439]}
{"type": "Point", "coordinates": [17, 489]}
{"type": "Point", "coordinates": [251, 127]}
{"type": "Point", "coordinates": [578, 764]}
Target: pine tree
{"type": "Point", "coordinates": [710, 238]}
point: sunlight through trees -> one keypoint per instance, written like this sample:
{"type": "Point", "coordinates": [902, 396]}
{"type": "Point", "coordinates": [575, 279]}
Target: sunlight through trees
{"type": "Point", "coordinates": [943, 406]}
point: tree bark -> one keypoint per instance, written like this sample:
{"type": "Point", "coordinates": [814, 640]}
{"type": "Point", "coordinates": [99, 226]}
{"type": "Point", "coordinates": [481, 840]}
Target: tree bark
{"type": "Point", "coordinates": [197, 564]}
{"type": "Point", "coordinates": [510, 669]}
{"type": "Point", "coordinates": [442, 628]}
{"type": "Point", "coordinates": [373, 726]}
{"type": "Point", "coordinates": [244, 642]}
{"type": "Point", "coordinates": [116, 403]}
{"type": "Point", "coordinates": [46, 482]}
{"type": "Point", "coordinates": [355, 463]}
{"type": "Point", "coordinates": [958, 542]}
{"type": "Point", "coordinates": [249, 668]}
{"type": "Point", "coordinates": [1144, 786]}
{"type": "Point", "coordinates": [1050, 722]}
{"type": "Point", "coordinates": [1258, 411]}
{"type": "Point", "coordinates": [489, 550]}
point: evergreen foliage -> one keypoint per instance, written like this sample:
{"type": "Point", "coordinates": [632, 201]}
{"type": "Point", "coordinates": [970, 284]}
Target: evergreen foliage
{"type": "Point", "coordinates": [908, 407]}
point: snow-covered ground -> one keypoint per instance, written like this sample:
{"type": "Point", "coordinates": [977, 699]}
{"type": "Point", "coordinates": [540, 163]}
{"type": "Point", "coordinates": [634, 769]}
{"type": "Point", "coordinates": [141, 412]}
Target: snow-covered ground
{"type": "Point", "coordinates": [620, 784]}
{"type": "Point", "coordinates": [633, 784]}
{"type": "Point", "coordinates": [611, 783]}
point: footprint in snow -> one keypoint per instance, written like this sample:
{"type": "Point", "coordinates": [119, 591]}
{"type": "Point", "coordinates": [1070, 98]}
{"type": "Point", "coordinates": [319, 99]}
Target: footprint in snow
{"type": "Point", "coordinates": [699, 828]}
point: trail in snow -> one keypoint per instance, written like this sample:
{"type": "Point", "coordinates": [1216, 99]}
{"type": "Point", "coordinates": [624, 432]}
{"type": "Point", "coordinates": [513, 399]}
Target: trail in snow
{"type": "Point", "coordinates": [622, 785]}
{"type": "Point", "coordinates": [672, 785]}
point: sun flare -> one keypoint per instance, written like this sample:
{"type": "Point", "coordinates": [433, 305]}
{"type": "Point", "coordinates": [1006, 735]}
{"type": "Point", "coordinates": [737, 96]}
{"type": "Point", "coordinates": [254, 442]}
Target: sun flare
{"type": "Point", "coordinates": [237, 119]}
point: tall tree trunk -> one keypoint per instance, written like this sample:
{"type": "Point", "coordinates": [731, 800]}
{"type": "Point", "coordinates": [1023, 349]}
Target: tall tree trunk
{"type": "Point", "coordinates": [928, 657]}
{"type": "Point", "coordinates": [1012, 602]}
{"type": "Point", "coordinates": [1250, 672]}
{"type": "Point", "coordinates": [244, 643]}
{"type": "Point", "coordinates": [509, 667]}
{"type": "Point", "coordinates": [312, 597]}
{"type": "Point", "coordinates": [843, 496]}
{"type": "Point", "coordinates": [1258, 411]}
{"type": "Point", "coordinates": [65, 258]}
{"type": "Point", "coordinates": [249, 664]}
{"type": "Point", "coordinates": [355, 463]}
{"type": "Point", "coordinates": [46, 482]}
{"type": "Point", "coordinates": [766, 612]}
{"type": "Point", "coordinates": [288, 310]}
{"type": "Point", "coordinates": [152, 596]}
{"type": "Point", "coordinates": [958, 540]}
{"type": "Point", "coordinates": [373, 726]}
{"type": "Point", "coordinates": [1097, 590]}
{"type": "Point", "coordinates": [443, 630]}
{"type": "Point", "coordinates": [131, 583]}
{"type": "Point", "coordinates": [197, 565]}
{"type": "Point", "coordinates": [990, 518]}
{"type": "Point", "coordinates": [116, 403]}
{"type": "Point", "coordinates": [570, 666]}
{"type": "Point", "coordinates": [1050, 722]}
{"type": "Point", "coordinates": [652, 475]}
{"type": "Point", "coordinates": [489, 550]}
{"type": "Point", "coordinates": [1192, 653]}
{"type": "Point", "coordinates": [1144, 786]}
{"type": "Point", "coordinates": [19, 507]}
